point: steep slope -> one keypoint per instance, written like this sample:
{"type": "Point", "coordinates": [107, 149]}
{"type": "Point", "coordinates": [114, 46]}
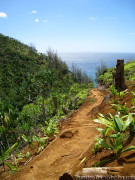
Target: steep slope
{"type": "Point", "coordinates": [61, 154]}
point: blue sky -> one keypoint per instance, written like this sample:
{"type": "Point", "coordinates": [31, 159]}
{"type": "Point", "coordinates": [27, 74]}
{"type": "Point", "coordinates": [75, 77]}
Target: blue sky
{"type": "Point", "coordinates": [71, 25]}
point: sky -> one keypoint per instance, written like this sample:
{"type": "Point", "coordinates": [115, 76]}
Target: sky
{"type": "Point", "coordinates": [71, 25]}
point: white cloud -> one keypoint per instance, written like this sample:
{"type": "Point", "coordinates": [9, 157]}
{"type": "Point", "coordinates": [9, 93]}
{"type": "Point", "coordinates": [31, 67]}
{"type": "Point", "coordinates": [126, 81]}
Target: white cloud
{"type": "Point", "coordinates": [132, 34]}
{"type": "Point", "coordinates": [36, 20]}
{"type": "Point", "coordinates": [45, 21]}
{"type": "Point", "coordinates": [110, 18]}
{"type": "Point", "coordinates": [34, 12]}
{"type": "Point", "coordinates": [92, 18]}
{"type": "Point", "coordinates": [3, 15]}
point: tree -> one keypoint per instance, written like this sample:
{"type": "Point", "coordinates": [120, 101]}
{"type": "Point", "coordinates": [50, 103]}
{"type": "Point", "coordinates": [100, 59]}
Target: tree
{"type": "Point", "coordinates": [100, 70]}
{"type": "Point", "coordinates": [41, 84]}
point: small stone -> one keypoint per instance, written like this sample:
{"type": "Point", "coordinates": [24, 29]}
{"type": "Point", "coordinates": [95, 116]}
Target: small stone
{"type": "Point", "coordinates": [66, 134]}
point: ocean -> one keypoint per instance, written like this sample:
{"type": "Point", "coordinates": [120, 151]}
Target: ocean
{"type": "Point", "coordinates": [89, 61]}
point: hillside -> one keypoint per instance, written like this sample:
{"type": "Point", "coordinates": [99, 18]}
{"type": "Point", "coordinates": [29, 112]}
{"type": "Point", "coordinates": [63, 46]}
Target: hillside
{"type": "Point", "coordinates": [36, 91]}
{"type": "Point", "coordinates": [18, 61]}
{"type": "Point", "coordinates": [72, 149]}
{"type": "Point", "coordinates": [40, 98]}
{"type": "Point", "coordinates": [75, 135]}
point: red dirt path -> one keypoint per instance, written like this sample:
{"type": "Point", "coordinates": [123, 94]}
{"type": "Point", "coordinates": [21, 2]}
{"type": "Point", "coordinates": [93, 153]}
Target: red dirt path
{"type": "Point", "coordinates": [60, 155]}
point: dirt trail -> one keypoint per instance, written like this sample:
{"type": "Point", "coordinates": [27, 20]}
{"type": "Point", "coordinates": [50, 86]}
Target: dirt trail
{"type": "Point", "coordinates": [60, 155]}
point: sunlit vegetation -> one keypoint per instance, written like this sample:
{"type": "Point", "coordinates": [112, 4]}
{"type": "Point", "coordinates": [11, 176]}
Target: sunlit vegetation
{"type": "Point", "coordinates": [118, 129]}
{"type": "Point", "coordinates": [105, 76]}
{"type": "Point", "coordinates": [36, 91]}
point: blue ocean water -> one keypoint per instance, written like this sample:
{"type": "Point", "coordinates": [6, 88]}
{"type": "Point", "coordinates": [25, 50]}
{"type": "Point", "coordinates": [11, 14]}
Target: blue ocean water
{"type": "Point", "coordinates": [89, 61]}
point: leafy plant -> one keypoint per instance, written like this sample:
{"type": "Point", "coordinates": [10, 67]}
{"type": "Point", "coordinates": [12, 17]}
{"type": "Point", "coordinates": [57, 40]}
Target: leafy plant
{"type": "Point", "coordinates": [115, 145]}
{"type": "Point", "coordinates": [121, 93]}
{"type": "Point", "coordinates": [113, 91]}
{"type": "Point", "coordinates": [96, 148]}
{"type": "Point", "coordinates": [41, 142]}
{"type": "Point", "coordinates": [27, 155]}
{"type": "Point", "coordinates": [133, 101]}
{"type": "Point", "coordinates": [27, 140]}
{"type": "Point", "coordinates": [5, 155]}
{"type": "Point", "coordinates": [50, 129]}
{"type": "Point", "coordinates": [115, 123]}
{"type": "Point", "coordinates": [114, 141]}
{"type": "Point", "coordinates": [104, 132]}
{"type": "Point", "coordinates": [120, 108]}
{"type": "Point", "coordinates": [20, 156]}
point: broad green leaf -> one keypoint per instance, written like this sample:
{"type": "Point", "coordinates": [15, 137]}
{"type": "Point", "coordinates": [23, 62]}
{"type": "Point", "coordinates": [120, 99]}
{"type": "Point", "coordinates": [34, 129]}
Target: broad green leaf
{"type": "Point", "coordinates": [13, 168]}
{"type": "Point", "coordinates": [101, 131]}
{"type": "Point", "coordinates": [101, 162]}
{"type": "Point", "coordinates": [118, 141]}
{"type": "Point", "coordinates": [6, 154]}
{"type": "Point", "coordinates": [111, 143]}
{"type": "Point", "coordinates": [101, 115]}
{"type": "Point", "coordinates": [46, 123]}
{"type": "Point", "coordinates": [19, 155]}
{"type": "Point", "coordinates": [112, 117]}
{"type": "Point", "coordinates": [130, 148]}
{"type": "Point", "coordinates": [103, 143]}
{"type": "Point", "coordinates": [119, 122]}
{"type": "Point", "coordinates": [96, 148]}
{"type": "Point", "coordinates": [24, 138]}
{"type": "Point", "coordinates": [27, 155]}
{"type": "Point", "coordinates": [107, 129]}
{"type": "Point", "coordinates": [121, 93]}
{"type": "Point", "coordinates": [40, 149]}
{"type": "Point", "coordinates": [127, 121]}
{"type": "Point", "coordinates": [105, 122]}
{"type": "Point", "coordinates": [113, 135]}
{"type": "Point", "coordinates": [119, 147]}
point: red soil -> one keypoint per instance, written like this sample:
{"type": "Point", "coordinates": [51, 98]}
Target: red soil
{"type": "Point", "coordinates": [60, 155]}
{"type": "Point", "coordinates": [74, 142]}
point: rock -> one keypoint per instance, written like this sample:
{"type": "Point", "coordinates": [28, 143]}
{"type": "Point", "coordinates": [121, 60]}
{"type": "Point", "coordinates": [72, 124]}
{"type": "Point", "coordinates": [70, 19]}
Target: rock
{"type": "Point", "coordinates": [66, 134]}
{"type": "Point", "coordinates": [66, 176]}
{"type": "Point", "coordinates": [101, 87]}
{"type": "Point", "coordinates": [107, 97]}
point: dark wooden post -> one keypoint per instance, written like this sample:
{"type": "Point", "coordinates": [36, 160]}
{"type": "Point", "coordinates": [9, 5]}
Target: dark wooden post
{"type": "Point", "coordinates": [119, 80]}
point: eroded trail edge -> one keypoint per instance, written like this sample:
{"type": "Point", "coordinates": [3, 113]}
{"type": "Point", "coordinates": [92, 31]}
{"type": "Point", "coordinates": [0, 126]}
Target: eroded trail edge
{"type": "Point", "coordinates": [60, 155]}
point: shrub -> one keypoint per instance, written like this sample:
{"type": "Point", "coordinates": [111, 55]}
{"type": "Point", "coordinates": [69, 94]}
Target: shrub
{"type": "Point", "coordinates": [100, 70]}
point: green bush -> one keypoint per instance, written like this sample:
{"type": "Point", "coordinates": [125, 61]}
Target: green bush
{"type": "Point", "coordinates": [107, 77]}
{"type": "Point", "coordinates": [29, 116]}
{"type": "Point", "coordinates": [100, 70]}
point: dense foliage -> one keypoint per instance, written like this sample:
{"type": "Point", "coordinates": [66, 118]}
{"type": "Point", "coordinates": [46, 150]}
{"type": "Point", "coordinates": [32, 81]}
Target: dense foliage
{"type": "Point", "coordinates": [100, 70]}
{"type": "Point", "coordinates": [36, 91]}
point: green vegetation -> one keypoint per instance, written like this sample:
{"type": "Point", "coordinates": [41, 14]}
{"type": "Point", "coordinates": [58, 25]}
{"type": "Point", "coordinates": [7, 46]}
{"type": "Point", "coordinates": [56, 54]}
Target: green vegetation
{"type": "Point", "coordinates": [100, 70]}
{"type": "Point", "coordinates": [106, 78]}
{"type": "Point", "coordinates": [113, 91]}
{"type": "Point", "coordinates": [118, 129]}
{"type": "Point", "coordinates": [36, 91]}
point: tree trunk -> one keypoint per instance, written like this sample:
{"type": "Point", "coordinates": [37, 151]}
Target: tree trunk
{"type": "Point", "coordinates": [43, 108]}
{"type": "Point", "coordinates": [119, 80]}
{"type": "Point", "coordinates": [55, 104]}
